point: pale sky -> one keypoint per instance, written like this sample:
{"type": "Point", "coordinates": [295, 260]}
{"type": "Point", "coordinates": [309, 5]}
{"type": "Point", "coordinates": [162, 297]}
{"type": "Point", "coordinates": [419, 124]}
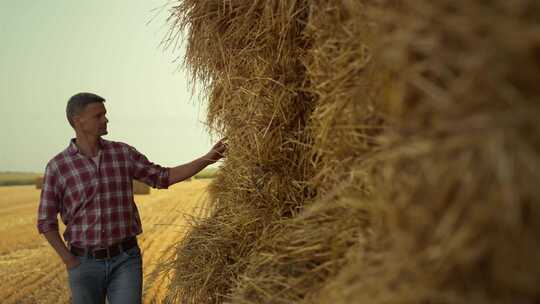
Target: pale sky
{"type": "Point", "coordinates": [51, 50]}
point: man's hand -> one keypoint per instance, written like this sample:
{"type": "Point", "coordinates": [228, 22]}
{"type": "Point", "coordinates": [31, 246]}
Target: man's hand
{"type": "Point", "coordinates": [53, 237]}
{"type": "Point", "coordinates": [217, 151]}
{"type": "Point", "coordinates": [185, 171]}
{"type": "Point", "coordinates": [72, 262]}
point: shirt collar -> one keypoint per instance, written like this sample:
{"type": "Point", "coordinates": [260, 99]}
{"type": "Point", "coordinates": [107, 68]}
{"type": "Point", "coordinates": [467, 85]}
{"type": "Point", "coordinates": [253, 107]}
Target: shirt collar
{"type": "Point", "coordinates": [73, 149]}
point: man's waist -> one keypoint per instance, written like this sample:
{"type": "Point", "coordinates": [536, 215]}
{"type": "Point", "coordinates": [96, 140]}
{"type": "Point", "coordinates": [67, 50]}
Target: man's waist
{"type": "Point", "coordinates": [102, 252]}
{"type": "Point", "coordinates": [93, 237]}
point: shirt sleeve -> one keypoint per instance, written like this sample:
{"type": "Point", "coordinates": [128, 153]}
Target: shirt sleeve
{"type": "Point", "coordinates": [49, 202]}
{"type": "Point", "coordinates": [147, 172]}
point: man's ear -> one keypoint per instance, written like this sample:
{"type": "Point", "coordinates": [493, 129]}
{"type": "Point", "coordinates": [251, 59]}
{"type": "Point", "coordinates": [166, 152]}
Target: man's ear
{"type": "Point", "coordinates": [76, 120]}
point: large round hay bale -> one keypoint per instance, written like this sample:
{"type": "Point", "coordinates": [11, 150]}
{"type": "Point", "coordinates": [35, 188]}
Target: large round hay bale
{"type": "Point", "coordinates": [380, 152]}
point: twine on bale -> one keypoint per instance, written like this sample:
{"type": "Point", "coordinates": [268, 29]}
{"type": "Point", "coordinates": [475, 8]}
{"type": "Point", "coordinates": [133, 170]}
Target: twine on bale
{"type": "Point", "coordinates": [380, 152]}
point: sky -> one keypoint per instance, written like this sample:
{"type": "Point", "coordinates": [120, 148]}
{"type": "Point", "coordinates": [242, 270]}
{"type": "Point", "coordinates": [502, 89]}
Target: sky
{"type": "Point", "coordinates": [51, 50]}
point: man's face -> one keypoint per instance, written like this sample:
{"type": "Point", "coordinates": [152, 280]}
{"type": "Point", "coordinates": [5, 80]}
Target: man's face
{"type": "Point", "coordinates": [92, 120]}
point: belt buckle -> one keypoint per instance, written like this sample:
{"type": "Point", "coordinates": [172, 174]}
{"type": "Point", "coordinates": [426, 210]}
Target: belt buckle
{"type": "Point", "coordinates": [108, 256]}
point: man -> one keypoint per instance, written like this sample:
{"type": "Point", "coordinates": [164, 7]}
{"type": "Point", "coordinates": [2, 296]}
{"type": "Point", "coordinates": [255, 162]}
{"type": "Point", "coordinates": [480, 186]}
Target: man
{"type": "Point", "coordinates": [90, 185]}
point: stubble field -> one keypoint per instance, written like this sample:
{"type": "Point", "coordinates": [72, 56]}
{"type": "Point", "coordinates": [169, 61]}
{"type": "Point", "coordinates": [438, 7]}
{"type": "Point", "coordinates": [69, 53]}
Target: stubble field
{"type": "Point", "coordinates": [31, 271]}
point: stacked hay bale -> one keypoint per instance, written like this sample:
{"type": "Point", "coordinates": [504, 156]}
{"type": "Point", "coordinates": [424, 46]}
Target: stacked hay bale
{"type": "Point", "coordinates": [381, 152]}
{"type": "Point", "coordinates": [249, 56]}
{"type": "Point", "coordinates": [459, 161]}
{"type": "Point", "coordinates": [301, 254]}
{"type": "Point", "coordinates": [39, 182]}
{"type": "Point", "coordinates": [140, 188]}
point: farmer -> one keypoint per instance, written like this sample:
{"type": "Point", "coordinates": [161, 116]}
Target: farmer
{"type": "Point", "coordinates": [90, 184]}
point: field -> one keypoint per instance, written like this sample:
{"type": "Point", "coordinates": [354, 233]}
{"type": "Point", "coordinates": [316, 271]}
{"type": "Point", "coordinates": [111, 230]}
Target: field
{"type": "Point", "coordinates": [33, 273]}
{"type": "Point", "coordinates": [18, 178]}
{"type": "Point", "coordinates": [206, 173]}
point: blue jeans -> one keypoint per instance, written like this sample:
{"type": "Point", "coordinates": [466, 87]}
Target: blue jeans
{"type": "Point", "coordinates": [119, 279]}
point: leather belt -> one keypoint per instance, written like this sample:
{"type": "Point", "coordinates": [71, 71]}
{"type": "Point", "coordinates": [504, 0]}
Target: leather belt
{"type": "Point", "coordinates": [105, 253]}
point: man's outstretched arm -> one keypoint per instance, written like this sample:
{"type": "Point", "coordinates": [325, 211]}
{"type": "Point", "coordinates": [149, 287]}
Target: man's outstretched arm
{"type": "Point", "coordinates": [185, 171]}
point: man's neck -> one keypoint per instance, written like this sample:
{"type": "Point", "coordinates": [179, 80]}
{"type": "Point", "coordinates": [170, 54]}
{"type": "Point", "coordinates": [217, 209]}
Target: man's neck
{"type": "Point", "coordinates": [88, 145]}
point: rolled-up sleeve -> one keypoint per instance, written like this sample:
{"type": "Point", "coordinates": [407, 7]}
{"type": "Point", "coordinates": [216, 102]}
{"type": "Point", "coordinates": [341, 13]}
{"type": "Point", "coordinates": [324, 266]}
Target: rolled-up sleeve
{"type": "Point", "coordinates": [147, 172]}
{"type": "Point", "coordinates": [49, 201]}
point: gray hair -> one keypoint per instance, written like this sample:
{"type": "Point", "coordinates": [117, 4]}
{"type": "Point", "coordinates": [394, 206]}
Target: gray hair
{"type": "Point", "coordinates": [78, 102]}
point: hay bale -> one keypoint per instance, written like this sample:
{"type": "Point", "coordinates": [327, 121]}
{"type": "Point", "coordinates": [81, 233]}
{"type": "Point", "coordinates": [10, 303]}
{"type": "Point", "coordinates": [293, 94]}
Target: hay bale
{"type": "Point", "coordinates": [302, 253]}
{"type": "Point", "coordinates": [381, 152]}
{"type": "Point", "coordinates": [140, 188]}
{"type": "Point", "coordinates": [462, 214]}
{"type": "Point", "coordinates": [39, 182]}
{"type": "Point", "coordinates": [250, 62]}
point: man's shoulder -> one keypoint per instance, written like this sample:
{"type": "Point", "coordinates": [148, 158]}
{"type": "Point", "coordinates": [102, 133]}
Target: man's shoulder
{"type": "Point", "coordinates": [67, 155]}
{"type": "Point", "coordinates": [63, 158]}
{"type": "Point", "coordinates": [60, 157]}
{"type": "Point", "coordinates": [59, 161]}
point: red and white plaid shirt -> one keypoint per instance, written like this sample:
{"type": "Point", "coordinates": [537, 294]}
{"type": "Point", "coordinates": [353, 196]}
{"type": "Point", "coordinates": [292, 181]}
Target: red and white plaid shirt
{"type": "Point", "coordinates": [96, 202]}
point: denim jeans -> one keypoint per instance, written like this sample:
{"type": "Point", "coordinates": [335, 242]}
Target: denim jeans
{"type": "Point", "coordinates": [119, 279]}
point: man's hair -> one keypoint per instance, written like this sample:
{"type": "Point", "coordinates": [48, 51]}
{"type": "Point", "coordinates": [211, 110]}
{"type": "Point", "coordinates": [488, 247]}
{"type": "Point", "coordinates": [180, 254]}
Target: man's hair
{"type": "Point", "coordinates": [78, 102]}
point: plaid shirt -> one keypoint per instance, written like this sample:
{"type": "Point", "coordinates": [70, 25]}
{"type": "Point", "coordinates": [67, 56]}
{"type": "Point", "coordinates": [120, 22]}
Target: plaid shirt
{"type": "Point", "coordinates": [96, 202]}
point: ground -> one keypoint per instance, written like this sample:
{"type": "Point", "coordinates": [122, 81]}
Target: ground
{"type": "Point", "coordinates": [31, 271]}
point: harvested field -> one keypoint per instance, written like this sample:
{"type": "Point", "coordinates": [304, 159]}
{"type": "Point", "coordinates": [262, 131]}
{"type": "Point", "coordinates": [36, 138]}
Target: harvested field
{"type": "Point", "coordinates": [33, 273]}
